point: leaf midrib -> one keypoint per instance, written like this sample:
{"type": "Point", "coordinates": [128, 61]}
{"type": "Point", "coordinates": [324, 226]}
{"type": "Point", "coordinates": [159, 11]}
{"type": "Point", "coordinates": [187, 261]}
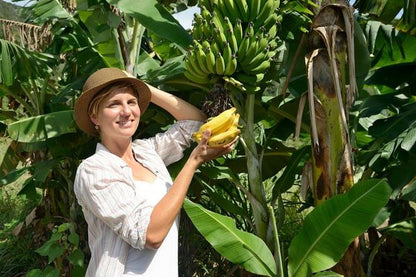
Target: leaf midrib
{"type": "Point", "coordinates": [330, 225]}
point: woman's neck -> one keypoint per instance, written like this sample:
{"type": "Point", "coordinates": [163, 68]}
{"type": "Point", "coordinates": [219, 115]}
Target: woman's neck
{"type": "Point", "coordinates": [121, 148]}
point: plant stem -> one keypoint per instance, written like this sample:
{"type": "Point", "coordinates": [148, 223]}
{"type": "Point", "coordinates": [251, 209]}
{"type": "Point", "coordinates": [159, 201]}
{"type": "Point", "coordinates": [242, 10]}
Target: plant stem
{"type": "Point", "coordinates": [136, 41]}
{"type": "Point", "coordinates": [254, 170]}
{"type": "Point", "coordinates": [279, 263]}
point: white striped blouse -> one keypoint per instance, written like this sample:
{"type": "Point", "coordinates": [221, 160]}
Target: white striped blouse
{"type": "Point", "coordinates": [118, 216]}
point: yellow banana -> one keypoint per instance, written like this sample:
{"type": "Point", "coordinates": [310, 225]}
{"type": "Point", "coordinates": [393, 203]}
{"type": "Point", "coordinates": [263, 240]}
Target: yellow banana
{"type": "Point", "coordinates": [224, 137]}
{"type": "Point", "coordinates": [219, 123]}
{"type": "Point", "coordinates": [236, 119]}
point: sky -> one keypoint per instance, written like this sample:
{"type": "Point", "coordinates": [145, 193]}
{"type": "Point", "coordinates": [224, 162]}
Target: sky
{"type": "Point", "coordinates": [185, 17]}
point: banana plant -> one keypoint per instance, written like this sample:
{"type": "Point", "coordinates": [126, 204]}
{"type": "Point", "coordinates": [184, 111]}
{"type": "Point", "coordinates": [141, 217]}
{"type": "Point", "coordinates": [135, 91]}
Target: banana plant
{"type": "Point", "coordinates": [331, 92]}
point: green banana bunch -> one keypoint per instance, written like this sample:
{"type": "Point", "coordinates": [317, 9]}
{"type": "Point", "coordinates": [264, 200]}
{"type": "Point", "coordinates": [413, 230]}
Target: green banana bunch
{"type": "Point", "coordinates": [235, 41]}
{"type": "Point", "coordinates": [223, 127]}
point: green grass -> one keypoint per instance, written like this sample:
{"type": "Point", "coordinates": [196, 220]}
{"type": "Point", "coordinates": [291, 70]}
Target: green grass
{"type": "Point", "coordinates": [16, 251]}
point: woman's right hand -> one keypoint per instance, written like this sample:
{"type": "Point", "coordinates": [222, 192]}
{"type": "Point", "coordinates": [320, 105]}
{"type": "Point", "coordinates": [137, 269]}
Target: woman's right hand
{"type": "Point", "coordinates": [204, 153]}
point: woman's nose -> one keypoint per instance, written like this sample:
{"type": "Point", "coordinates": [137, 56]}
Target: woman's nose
{"type": "Point", "coordinates": [126, 109]}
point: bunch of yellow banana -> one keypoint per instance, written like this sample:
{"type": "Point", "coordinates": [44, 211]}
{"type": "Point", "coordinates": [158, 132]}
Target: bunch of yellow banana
{"type": "Point", "coordinates": [223, 127]}
{"type": "Point", "coordinates": [234, 40]}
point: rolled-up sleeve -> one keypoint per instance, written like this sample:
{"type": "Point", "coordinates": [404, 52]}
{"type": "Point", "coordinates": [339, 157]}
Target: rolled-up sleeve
{"type": "Point", "coordinates": [171, 144]}
{"type": "Point", "coordinates": [108, 195]}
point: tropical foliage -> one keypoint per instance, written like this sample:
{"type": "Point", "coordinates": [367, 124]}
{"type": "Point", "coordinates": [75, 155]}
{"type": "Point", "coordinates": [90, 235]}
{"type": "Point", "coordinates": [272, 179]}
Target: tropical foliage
{"type": "Point", "coordinates": [252, 206]}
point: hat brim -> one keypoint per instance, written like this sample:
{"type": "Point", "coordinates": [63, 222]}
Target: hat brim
{"type": "Point", "coordinates": [81, 106]}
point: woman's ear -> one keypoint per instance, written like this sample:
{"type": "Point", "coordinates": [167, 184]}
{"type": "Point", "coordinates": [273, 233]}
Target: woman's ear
{"type": "Point", "coordinates": [93, 119]}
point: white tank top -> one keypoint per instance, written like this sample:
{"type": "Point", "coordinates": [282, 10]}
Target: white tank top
{"type": "Point", "coordinates": [164, 260]}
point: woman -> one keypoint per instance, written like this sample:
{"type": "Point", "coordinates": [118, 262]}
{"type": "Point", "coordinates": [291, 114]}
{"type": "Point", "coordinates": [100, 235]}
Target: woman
{"type": "Point", "coordinates": [128, 198]}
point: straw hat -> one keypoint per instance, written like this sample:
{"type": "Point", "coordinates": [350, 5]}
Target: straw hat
{"type": "Point", "coordinates": [94, 84]}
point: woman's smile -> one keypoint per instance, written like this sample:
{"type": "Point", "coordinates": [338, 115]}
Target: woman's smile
{"type": "Point", "coordinates": [125, 123]}
{"type": "Point", "coordinates": [119, 114]}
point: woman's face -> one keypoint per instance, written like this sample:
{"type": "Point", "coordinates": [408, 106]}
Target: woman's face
{"type": "Point", "coordinates": [118, 114]}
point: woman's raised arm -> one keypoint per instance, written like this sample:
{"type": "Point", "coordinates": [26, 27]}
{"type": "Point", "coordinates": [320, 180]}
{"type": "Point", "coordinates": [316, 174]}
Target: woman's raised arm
{"type": "Point", "coordinates": [177, 107]}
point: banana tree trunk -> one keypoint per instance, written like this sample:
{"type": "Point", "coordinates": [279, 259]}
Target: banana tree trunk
{"type": "Point", "coordinates": [331, 90]}
{"type": "Point", "coordinates": [331, 160]}
{"type": "Point", "coordinates": [255, 179]}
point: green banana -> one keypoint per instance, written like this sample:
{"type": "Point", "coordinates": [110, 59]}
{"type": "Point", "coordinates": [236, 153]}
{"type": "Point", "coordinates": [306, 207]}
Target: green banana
{"type": "Point", "coordinates": [272, 31]}
{"type": "Point", "coordinates": [243, 48]}
{"type": "Point", "coordinates": [273, 18]}
{"type": "Point", "coordinates": [249, 78]}
{"type": "Point", "coordinates": [219, 64]}
{"type": "Point", "coordinates": [227, 52]}
{"type": "Point", "coordinates": [251, 52]}
{"type": "Point", "coordinates": [233, 12]}
{"type": "Point", "coordinates": [243, 9]}
{"type": "Point", "coordinates": [197, 79]}
{"type": "Point", "coordinates": [262, 67]}
{"type": "Point", "coordinates": [192, 65]}
{"type": "Point", "coordinates": [229, 33]}
{"type": "Point", "coordinates": [217, 22]}
{"type": "Point", "coordinates": [246, 42]}
{"type": "Point", "coordinates": [197, 27]}
{"type": "Point", "coordinates": [266, 10]}
{"type": "Point", "coordinates": [250, 29]}
{"type": "Point", "coordinates": [256, 60]}
{"type": "Point", "coordinates": [273, 43]}
{"type": "Point", "coordinates": [210, 58]}
{"type": "Point", "coordinates": [233, 82]}
{"type": "Point", "coordinates": [254, 9]}
{"type": "Point", "coordinates": [221, 9]}
{"type": "Point", "coordinates": [214, 47]}
{"type": "Point", "coordinates": [228, 24]}
{"type": "Point", "coordinates": [220, 38]}
{"type": "Point", "coordinates": [201, 57]}
{"type": "Point", "coordinates": [238, 31]}
{"type": "Point", "coordinates": [231, 66]}
{"type": "Point", "coordinates": [262, 42]}
{"type": "Point", "coordinates": [206, 30]}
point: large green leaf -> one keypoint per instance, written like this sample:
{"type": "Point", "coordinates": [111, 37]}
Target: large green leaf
{"type": "Point", "coordinates": [404, 231]}
{"type": "Point", "coordinates": [6, 75]}
{"type": "Point", "coordinates": [42, 127]}
{"type": "Point", "coordinates": [333, 225]}
{"type": "Point", "coordinates": [102, 26]}
{"type": "Point", "coordinates": [388, 45]}
{"type": "Point", "coordinates": [155, 18]}
{"type": "Point", "coordinates": [48, 9]}
{"type": "Point", "coordinates": [292, 168]}
{"type": "Point", "coordinates": [383, 10]}
{"type": "Point", "coordinates": [237, 246]}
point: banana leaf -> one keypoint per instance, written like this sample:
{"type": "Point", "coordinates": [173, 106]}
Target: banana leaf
{"type": "Point", "coordinates": [155, 18]}
{"type": "Point", "coordinates": [237, 246]}
{"type": "Point", "coordinates": [47, 9]}
{"type": "Point", "coordinates": [405, 231]}
{"type": "Point", "coordinates": [330, 228]}
{"type": "Point", "coordinates": [6, 75]}
{"type": "Point", "coordinates": [42, 127]}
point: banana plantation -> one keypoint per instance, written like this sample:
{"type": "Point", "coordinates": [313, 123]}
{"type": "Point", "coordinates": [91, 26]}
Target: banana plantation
{"type": "Point", "coordinates": [322, 180]}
